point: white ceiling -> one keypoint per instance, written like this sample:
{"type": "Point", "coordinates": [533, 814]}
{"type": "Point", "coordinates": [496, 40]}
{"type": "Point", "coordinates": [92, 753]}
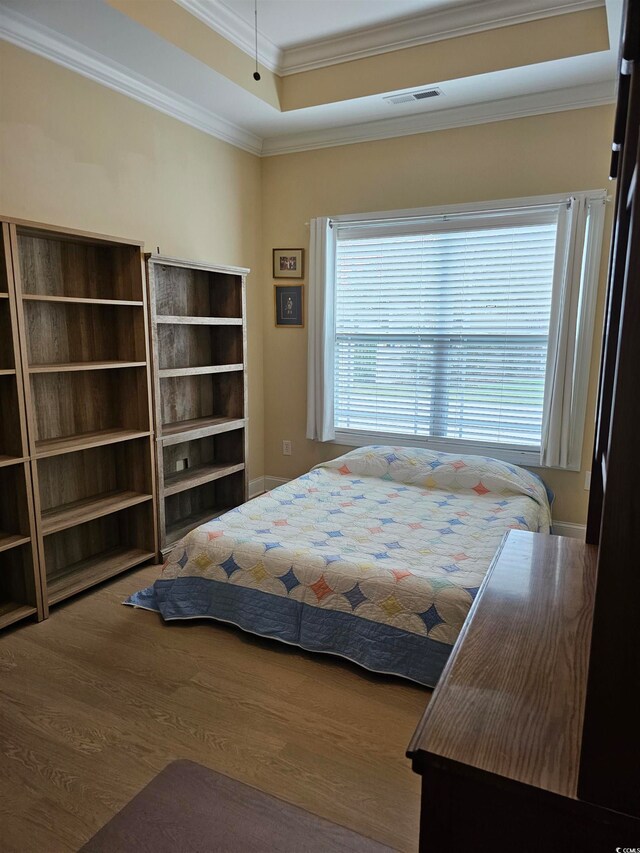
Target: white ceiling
{"type": "Point", "coordinates": [94, 39]}
{"type": "Point", "coordinates": [288, 23]}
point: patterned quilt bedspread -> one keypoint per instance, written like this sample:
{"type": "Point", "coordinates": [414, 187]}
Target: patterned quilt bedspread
{"type": "Point", "coordinates": [375, 556]}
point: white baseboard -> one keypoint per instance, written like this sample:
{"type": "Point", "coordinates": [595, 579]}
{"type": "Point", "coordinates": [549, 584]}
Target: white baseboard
{"type": "Point", "coordinates": [274, 482]}
{"type": "Point", "coordinates": [568, 528]}
{"type": "Point", "coordinates": [256, 487]}
{"type": "Point", "coordinates": [265, 484]}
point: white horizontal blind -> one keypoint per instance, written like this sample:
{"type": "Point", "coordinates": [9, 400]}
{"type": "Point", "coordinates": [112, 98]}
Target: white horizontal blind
{"type": "Point", "coordinates": [441, 331]}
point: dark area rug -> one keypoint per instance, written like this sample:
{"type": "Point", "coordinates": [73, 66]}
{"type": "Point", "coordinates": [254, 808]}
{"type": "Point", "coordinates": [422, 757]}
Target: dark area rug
{"type": "Point", "coordinates": [188, 808]}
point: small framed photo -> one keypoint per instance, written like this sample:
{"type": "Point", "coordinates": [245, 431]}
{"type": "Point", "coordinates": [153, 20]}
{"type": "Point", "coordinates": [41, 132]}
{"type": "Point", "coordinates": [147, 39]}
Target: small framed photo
{"type": "Point", "coordinates": [289, 305]}
{"type": "Point", "coordinates": [288, 263]}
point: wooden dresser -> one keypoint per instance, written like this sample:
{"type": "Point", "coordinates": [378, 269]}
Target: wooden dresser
{"type": "Point", "coordinates": [499, 744]}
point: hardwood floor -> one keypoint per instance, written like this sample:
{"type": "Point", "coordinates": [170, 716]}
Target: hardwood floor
{"type": "Point", "coordinates": [100, 697]}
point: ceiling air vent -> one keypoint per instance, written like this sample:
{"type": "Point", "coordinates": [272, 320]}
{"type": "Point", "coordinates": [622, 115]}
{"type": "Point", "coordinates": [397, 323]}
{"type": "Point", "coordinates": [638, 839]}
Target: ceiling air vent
{"type": "Point", "coordinates": [409, 97]}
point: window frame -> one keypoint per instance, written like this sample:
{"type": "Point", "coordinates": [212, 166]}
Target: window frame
{"type": "Point", "coordinates": [513, 453]}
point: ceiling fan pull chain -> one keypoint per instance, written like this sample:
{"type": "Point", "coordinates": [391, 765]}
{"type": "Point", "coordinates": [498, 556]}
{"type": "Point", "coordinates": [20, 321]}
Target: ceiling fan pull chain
{"type": "Point", "coordinates": [256, 73]}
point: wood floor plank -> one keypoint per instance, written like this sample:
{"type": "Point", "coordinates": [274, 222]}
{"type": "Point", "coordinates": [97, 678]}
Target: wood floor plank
{"type": "Point", "coordinates": [15, 814]}
{"type": "Point", "coordinates": [99, 698]}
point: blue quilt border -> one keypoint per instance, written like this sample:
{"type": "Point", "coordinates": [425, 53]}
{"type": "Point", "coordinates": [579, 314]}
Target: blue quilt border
{"type": "Point", "coordinates": [380, 648]}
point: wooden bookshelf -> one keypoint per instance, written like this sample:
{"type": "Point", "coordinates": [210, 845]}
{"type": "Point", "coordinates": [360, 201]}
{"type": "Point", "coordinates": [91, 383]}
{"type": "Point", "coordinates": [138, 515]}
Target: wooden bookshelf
{"type": "Point", "coordinates": [83, 321]}
{"type": "Point", "coordinates": [20, 584]}
{"type": "Point", "coordinates": [198, 334]}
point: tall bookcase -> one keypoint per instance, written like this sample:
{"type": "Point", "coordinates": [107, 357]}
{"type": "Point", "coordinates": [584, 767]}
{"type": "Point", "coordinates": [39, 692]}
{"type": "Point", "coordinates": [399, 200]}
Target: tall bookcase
{"type": "Point", "coordinates": [82, 319]}
{"type": "Point", "coordinates": [20, 587]}
{"type": "Point", "coordinates": [198, 334]}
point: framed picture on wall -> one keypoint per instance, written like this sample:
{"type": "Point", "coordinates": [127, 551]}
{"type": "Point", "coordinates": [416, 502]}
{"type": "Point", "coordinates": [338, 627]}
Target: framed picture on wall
{"type": "Point", "coordinates": [289, 305]}
{"type": "Point", "coordinates": [288, 263]}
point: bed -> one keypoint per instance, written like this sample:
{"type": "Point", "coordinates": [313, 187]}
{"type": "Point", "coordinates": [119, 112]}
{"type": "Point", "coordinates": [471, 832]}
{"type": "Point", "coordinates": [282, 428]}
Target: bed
{"type": "Point", "coordinates": [375, 556]}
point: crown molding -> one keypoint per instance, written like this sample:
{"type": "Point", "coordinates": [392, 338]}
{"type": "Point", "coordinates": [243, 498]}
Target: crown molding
{"type": "Point", "coordinates": [407, 32]}
{"type": "Point", "coordinates": [234, 28]}
{"type": "Point", "coordinates": [36, 38]}
{"type": "Point", "coordinates": [558, 100]}
{"type": "Point", "coordinates": [424, 29]}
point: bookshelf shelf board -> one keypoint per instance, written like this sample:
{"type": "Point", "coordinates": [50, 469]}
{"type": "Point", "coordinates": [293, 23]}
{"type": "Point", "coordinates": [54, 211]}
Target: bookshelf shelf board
{"type": "Point", "coordinates": [82, 300]}
{"type": "Point", "coordinates": [183, 480]}
{"type": "Point", "coordinates": [83, 441]}
{"type": "Point", "coordinates": [12, 611]}
{"type": "Point", "coordinates": [11, 460]}
{"type": "Point", "coordinates": [77, 512]}
{"type": "Point", "coordinates": [168, 372]}
{"type": "Point", "coordinates": [178, 320]}
{"type": "Point", "coordinates": [185, 525]}
{"type": "Point", "coordinates": [80, 576]}
{"type": "Point", "coordinates": [71, 366]}
{"type": "Point", "coordinates": [198, 428]}
{"type": "Point", "coordinates": [12, 540]}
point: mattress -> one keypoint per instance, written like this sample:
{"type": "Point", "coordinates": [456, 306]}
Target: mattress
{"type": "Point", "coordinates": [375, 556]}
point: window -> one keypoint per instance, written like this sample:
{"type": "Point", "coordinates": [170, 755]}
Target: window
{"type": "Point", "coordinates": [444, 333]}
{"type": "Point", "coordinates": [446, 328]}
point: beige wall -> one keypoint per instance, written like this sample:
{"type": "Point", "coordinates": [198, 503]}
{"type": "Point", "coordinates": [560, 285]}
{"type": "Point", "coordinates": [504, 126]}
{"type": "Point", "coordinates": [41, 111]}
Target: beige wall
{"type": "Point", "coordinates": [497, 49]}
{"type": "Point", "coordinates": [74, 153]}
{"type": "Point", "coordinates": [531, 156]}
{"type": "Point", "coordinates": [178, 26]}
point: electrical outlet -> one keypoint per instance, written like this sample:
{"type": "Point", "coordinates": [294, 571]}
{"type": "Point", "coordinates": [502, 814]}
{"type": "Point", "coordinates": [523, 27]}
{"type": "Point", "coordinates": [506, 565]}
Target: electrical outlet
{"type": "Point", "coordinates": [182, 464]}
{"type": "Point", "coordinates": [286, 448]}
{"type": "Point", "coordinates": [587, 481]}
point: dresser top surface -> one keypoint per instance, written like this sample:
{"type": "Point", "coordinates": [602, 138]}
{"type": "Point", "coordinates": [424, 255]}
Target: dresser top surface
{"type": "Point", "coordinates": [511, 698]}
